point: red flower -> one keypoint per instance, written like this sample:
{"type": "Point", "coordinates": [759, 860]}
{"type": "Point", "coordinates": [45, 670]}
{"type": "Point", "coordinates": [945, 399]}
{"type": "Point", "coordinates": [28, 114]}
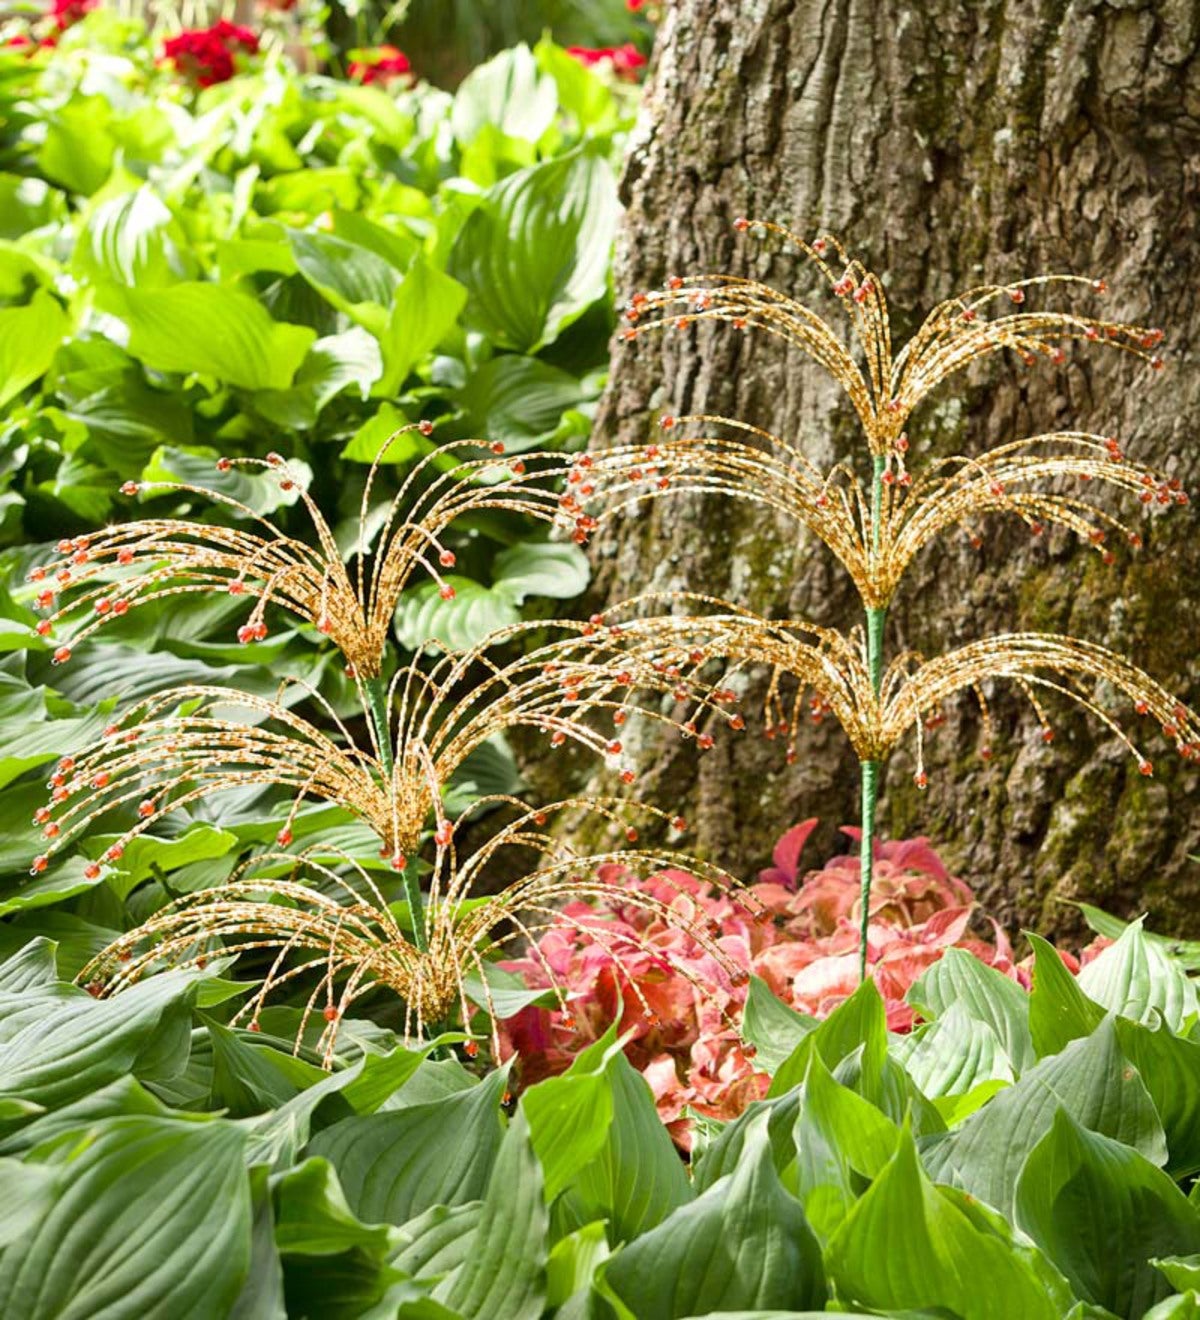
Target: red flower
{"type": "Point", "coordinates": [385, 63]}
{"type": "Point", "coordinates": [66, 13]}
{"type": "Point", "coordinates": [625, 61]}
{"type": "Point", "coordinates": [206, 55]}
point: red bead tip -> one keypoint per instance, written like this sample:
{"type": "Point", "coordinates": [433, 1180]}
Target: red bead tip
{"type": "Point", "coordinates": [130, 488]}
{"type": "Point", "coordinates": [330, 1014]}
{"type": "Point", "coordinates": [283, 838]}
{"type": "Point", "coordinates": [425, 427]}
{"type": "Point", "coordinates": [446, 591]}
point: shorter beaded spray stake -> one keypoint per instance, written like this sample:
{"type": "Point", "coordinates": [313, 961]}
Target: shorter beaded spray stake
{"type": "Point", "coordinates": [876, 527]}
{"type": "Point", "coordinates": [186, 744]}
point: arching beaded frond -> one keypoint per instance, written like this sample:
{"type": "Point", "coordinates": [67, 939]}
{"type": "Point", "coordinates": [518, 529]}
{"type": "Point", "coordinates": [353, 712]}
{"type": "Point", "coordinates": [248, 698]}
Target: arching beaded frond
{"type": "Point", "coordinates": [885, 387]}
{"type": "Point", "coordinates": [103, 576]}
{"type": "Point", "coordinates": [333, 928]}
{"type": "Point", "coordinates": [188, 743]}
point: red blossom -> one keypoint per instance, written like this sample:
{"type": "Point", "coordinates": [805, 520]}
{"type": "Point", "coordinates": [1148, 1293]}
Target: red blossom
{"type": "Point", "coordinates": [207, 55]}
{"type": "Point", "coordinates": [626, 61]}
{"type": "Point", "coordinates": [66, 13]}
{"type": "Point", "coordinates": [381, 65]}
{"type": "Point", "coordinates": [679, 1007]}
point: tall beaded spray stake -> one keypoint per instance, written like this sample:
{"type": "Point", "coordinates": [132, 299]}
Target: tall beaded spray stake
{"type": "Point", "coordinates": [335, 920]}
{"type": "Point", "coordinates": [875, 526]}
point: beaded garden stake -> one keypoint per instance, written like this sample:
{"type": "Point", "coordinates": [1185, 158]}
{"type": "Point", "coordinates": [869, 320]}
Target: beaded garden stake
{"type": "Point", "coordinates": [875, 527]}
{"type": "Point", "coordinates": [188, 743]}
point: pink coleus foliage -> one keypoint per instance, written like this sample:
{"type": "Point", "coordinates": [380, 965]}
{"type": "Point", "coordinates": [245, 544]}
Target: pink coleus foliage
{"type": "Point", "coordinates": [681, 1009]}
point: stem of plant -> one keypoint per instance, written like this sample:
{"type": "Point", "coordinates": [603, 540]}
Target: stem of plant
{"type": "Point", "coordinates": [869, 770]}
{"type": "Point", "coordinates": [377, 709]}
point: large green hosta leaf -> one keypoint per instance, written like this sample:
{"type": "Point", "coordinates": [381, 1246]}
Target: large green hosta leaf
{"type": "Point", "coordinates": [1170, 1068]}
{"type": "Point", "coordinates": [1091, 1079]}
{"type": "Point", "coordinates": [58, 1043]}
{"type": "Point", "coordinates": [1136, 978]}
{"type": "Point", "coordinates": [394, 1165]}
{"type": "Point", "coordinates": [600, 1140]}
{"type": "Point", "coordinates": [910, 1245]}
{"type": "Point", "coordinates": [1100, 1211]}
{"type": "Point", "coordinates": [211, 330]}
{"type": "Point", "coordinates": [29, 338]}
{"type": "Point", "coordinates": [505, 1272]}
{"type": "Point", "coordinates": [152, 1218]}
{"type": "Point", "coordinates": [744, 1243]}
{"type": "Point", "coordinates": [534, 255]}
{"type": "Point", "coordinates": [1059, 1011]}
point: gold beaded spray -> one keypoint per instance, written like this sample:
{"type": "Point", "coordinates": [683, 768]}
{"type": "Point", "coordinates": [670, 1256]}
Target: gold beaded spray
{"type": "Point", "coordinates": [186, 744]}
{"type": "Point", "coordinates": [336, 927]}
{"type": "Point", "coordinates": [875, 527]}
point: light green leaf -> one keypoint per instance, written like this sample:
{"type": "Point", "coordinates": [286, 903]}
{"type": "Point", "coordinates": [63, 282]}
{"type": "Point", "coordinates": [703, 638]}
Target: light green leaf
{"type": "Point", "coordinates": [354, 279]}
{"type": "Point", "coordinates": [1170, 1068]}
{"type": "Point", "coordinates": [424, 309]}
{"type": "Point", "coordinates": [1136, 978]}
{"type": "Point", "coordinates": [29, 338]}
{"type": "Point", "coordinates": [541, 568]}
{"type": "Point", "coordinates": [1091, 1079]}
{"type": "Point", "coordinates": [954, 1054]}
{"type": "Point", "coordinates": [1059, 1011]}
{"type": "Point", "coordinates": [210, 330]}
{"type": "Point", "coordinates": [860, 1022]}
{"type": "Point", "coordinates": [132, 238]}
{"type": "Point", "coordinates": [725, 1152]}
{"type": "Point", "coordinates": [951, 1261]}
{"type": "Point", "coordinates": [744, 1243]}
{"type": "Point", "coordinates": [147, 856]}
{"type": "Point", "coordinates": [519, 401]}
{"type": "Point", "coordinates": [508, 93]}
{"type": "Point", "coordinates": [958, 977]}
{"type": "Point", "coordinates": [771, 1026]}
{"type": "Point", "coordinates": [476, 611]}
{"type": "Point", "coordinates": [1100, 1211]}
{"type": "Point", "coordinates": [534, 255]}
{"type": "Point", "coordinates": [27, 1191]}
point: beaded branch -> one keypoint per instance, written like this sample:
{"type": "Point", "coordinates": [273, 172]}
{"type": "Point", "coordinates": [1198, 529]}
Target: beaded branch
{"type": "Point", "coordinates": [177, 747]}
{"type": "Point", "coordinates": [337, 929]}
{"type": "Point", "coordinates": [876, 527]}
{"type": "Point", "coordinates": [134, 563]}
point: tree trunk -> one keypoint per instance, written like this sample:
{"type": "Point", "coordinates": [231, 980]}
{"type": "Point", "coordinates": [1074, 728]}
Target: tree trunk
{"type": "Point", "coordinates": [947, 144]}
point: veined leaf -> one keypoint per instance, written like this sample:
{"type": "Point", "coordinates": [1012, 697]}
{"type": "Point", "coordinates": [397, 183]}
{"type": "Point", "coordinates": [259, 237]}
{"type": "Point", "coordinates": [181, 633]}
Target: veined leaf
{"type": "Point", "coordinates": [1100, 1211]}
{"type": "Point", "coordinates": [534, 255]}
{"type": "Point", "coordinates": [152, 1218]}
{"type": "Point", "coordinates": [743, 1243]}
{"type": "Point", "coordinates": [1136, 978]}
{"type": "Point", "coordinates": [771, 1026]}
{"type": "Point", "coordinates": [951, 1262]}
{"type": "Point", "coordinates": [29, 338]}
{"type": "Point", "coordinates": [1059, 1011]}
{"type": "Point", "coordinates": [211, 330]}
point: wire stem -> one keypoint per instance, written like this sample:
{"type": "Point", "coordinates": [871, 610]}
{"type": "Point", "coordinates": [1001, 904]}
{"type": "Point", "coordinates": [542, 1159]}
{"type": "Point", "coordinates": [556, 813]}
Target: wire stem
{"type": "Point", "coordinates": [869, 770]}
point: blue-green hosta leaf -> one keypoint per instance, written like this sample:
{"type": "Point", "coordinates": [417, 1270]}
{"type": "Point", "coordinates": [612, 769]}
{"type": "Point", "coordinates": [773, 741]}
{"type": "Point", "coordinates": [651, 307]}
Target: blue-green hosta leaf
{"type": "Point", "coordinates": [29, 338]}
{"type": "Point", "coordinates": [954, 1054]}
{"type": "Point", "coordinates": [743, 1243]}
{"type": "Point", "coordinates": [505, 1273]}
{"type": "Point", "coordinates": [395, 1165]}
{"type": "Point", "coordinates": [517, 400]}
{"type": "Point", "coordinates": [210, 330]}
{"type": "Point", "coordinates": [252, 1078]}
{"type": "Point", "coordinates": [722, 1155]}
{"type": "Point", "coordinates": [120, 1099]}
{"type": "Point", "coordinates": [508, 93]}
{"type": "Point", "coordinates": [529, 568]}
{"type": "Point", "coordinates": [572, 1262]}
{"type": "Point", "coordinates": [771, 1026]}
{"type": "Point", "coordinates": [1059, 1011]}
{"type": "Point", "coordinates": [1091, 1079]}
{"type": "Point", "coordinates": [1185, 952]}
{"type": "Point", "coordinates": [1136, 978]}
{"type": "Point", "coordinates": [437, 1242]}
{"type": "Point", "coordinates": [32, 967]}
{"type": "Point", "coordinates": [1170, 1068]}
{"type": "Point", "coordinates": [58, 1043]}
{"type": "Point", "coordinates": [152, 1217]}
{"type": "Point", "coordinates": [958, 977]}
{"type": "Point", "coordinates": [27, 1192]}
{"type": "Point", "coordinates": [534, 255]}
{"type": "Point", "coordinates": [147, 856]}
{"type": "Point", "coordinates": [1100, 1211]}
{"type": "Point", "coordinates": [952, 1262]}
{"type": "Point", "coordinates": [313, 1219]}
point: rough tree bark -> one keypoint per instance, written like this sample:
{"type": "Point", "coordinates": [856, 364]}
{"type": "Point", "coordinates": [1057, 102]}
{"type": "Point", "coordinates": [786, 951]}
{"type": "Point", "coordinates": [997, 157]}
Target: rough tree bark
{"type": "Point", "coordinates": [946, 143]}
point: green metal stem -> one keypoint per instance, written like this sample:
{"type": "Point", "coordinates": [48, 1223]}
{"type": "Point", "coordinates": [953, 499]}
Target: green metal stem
{"type": "Point", "coordinates": [869, 770]}
{"type": "Point", "coordinates": [377, 709]}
